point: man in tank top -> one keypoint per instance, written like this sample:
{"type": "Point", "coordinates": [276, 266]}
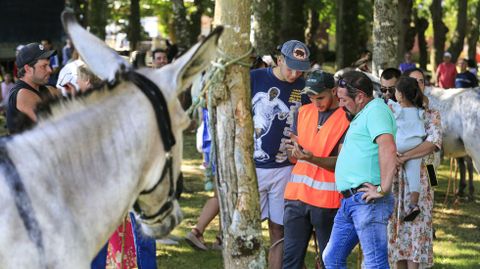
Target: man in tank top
{"type": "Point", "coordinates": [33, 73]}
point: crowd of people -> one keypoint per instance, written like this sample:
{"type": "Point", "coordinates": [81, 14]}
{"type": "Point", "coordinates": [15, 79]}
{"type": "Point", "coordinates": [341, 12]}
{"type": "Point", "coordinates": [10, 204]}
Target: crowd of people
{"type": "Point", "coordinates": [335, 163]}
{"type": "Point", "coordinates": [331, 160]}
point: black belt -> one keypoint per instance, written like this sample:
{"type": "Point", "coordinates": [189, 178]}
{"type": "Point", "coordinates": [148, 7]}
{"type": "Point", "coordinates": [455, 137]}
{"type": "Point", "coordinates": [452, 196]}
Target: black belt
{"type": "Point", "coordinates": [349, 192]}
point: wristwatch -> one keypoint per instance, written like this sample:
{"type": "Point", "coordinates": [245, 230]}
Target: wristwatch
{"type": "Point", "coordinates": [380, 191]}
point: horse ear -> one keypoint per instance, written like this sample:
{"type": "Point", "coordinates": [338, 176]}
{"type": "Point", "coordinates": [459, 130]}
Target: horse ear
{"type": "Point", "coordinates": [101, 59]}
{"type": "Point", "coordinates": [195, 60]}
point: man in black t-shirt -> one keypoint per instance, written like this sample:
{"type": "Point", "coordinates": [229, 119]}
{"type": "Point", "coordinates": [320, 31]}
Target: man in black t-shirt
{"type": "Point", "coordinates": [33, 72]}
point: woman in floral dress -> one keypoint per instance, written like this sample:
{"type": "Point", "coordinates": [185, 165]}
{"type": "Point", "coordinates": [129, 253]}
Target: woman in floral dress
{"type": "Point", "coordinates": [410, 243]}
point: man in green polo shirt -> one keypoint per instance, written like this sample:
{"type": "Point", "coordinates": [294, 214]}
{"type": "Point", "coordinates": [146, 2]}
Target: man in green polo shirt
{"type": "Point", "coordinates": [364, 172]}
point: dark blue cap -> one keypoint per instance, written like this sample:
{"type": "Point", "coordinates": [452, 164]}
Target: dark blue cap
{"type": "Point", "coordinates": [296, 55]}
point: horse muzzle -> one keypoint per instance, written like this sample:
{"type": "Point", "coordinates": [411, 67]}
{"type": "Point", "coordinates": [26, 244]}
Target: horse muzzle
{"type": "Point", "coordinates": [158, 228]}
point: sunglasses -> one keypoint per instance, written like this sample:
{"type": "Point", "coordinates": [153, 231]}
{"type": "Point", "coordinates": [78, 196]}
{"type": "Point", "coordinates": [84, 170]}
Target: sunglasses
{"type": "Point", "coordinates": [387, 89]}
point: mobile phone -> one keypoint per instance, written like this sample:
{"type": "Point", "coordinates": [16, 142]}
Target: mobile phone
{"type": "Point", "coordinates": [432, 175]}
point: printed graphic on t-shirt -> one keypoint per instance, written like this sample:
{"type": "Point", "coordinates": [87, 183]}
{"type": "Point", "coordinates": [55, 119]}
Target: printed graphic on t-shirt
{"type": "Point", "coordinates": [266, 108]}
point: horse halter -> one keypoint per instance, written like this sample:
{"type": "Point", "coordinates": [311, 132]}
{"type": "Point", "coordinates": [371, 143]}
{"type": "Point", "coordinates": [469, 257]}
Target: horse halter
{"type": "Point", "coordinates": [155, 96]}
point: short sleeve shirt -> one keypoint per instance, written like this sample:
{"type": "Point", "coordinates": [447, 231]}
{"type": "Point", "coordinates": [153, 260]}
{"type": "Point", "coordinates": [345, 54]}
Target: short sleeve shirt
{"type": "Point", "coordinates": [274, 103]}
{"type": "Point", "coordinates": [358, 162]}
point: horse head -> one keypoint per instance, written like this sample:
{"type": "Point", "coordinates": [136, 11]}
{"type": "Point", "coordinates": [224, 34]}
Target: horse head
{"type": "Point", "coordinates": [156, 207]}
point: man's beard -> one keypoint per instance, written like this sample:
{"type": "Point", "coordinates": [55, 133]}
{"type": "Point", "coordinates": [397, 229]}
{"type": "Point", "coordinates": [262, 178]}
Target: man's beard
{"type": "Point", "coordinates": [348, 114]}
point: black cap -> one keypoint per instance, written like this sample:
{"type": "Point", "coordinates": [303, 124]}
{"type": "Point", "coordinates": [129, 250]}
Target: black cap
{"type": "Point", "coordinates": [32, 52]}
{"type": "Point", "coordinates": [318, 81]}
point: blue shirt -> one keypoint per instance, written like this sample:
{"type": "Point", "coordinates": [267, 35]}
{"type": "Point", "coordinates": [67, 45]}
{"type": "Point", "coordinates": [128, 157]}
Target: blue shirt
{"type": "Point", "coordinates": [273, 105]}
{"type": "Point", "coordinates": [357, 162]}
{"type": "Point", "coordinates": [466, 80]}
{"type": "Point", "coordinates": [406, 66]}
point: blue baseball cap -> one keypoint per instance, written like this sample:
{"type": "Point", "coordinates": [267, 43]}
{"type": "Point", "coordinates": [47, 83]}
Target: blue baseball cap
{"type": "Point", "coordinates": [296, 55]}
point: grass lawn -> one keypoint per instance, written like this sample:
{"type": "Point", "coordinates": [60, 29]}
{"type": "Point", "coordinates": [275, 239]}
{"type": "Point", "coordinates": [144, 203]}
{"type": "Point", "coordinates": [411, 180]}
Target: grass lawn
{"type": "Point", "coordinates": [457, 226]}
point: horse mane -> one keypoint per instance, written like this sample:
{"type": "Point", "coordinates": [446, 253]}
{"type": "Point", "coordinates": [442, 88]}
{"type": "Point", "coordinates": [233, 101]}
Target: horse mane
{"type": "Point", "coordinates": [57, 106]}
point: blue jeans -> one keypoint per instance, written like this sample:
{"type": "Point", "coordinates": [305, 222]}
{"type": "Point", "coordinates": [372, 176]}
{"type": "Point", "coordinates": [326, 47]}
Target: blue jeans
{"type": "Point", "coordinates": [100, 261]}
{"type": "Point", "coordinates": [144, 246]}
{"type": "Point", "coordinates": [299, 220]}
{"type": "Point", "coordinates": [357, 221]}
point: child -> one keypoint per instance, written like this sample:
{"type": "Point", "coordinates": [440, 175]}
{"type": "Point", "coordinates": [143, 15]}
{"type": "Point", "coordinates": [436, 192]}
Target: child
{"type": "Point", "coordinates": [409, 113]}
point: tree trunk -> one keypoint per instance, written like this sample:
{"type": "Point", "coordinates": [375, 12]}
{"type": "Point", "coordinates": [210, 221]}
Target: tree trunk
{"type": "Point", "coordinates": [292, 20]}
{"type": "Point", "coordinates": [80, 7]}
{"type": "Point", "coordinates": [346, 36]}
{"type": "Point", "coordinates": [385, 35]}
{"type": "Point", "coordinates": [439, 33]}
{"type": "Point", "coordinates": [405, 33]}
{"type": "Point", "coordinates": [97, 18]}
{"type": "Point", "coordinates": [232, 141]}
{"type": "Point", "coordinates": [313, 26]}
{"type": "Point", "coordinates": [180, 24]}
{"type": "Point", "coordinates": [196, 21]}
{"type": "Point", "coordinates": [265, 39]}
{"type": "Point", "coordinates": [134, 27]}
{"type": "Point", "coordinates": [456, 46]}
{"type": "Point", "coordinates": [473, 34]}
{"type": "Point", "coordinates": [421, 25]}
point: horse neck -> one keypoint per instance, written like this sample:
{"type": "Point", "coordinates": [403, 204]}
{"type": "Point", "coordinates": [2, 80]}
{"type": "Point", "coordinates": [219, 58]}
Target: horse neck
{"type": "Point", "coordinates": [90, 162]}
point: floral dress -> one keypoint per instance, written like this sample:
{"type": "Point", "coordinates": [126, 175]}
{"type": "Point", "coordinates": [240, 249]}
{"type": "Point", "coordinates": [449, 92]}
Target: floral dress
{"type": "Point", "coordinates": [116, 247]}
{"type": "Point", "coordinates": [413, 240]}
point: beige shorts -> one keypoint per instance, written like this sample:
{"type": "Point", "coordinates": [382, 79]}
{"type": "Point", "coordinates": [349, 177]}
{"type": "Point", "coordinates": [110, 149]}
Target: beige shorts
{"type": "Point", "coordinates": [271, 186]}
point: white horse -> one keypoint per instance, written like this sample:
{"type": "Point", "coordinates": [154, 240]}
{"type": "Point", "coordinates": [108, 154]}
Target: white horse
{"type": "Point", "coordinates": [66, 184]}
{"type": "Point", "coordinates": [460, 118]}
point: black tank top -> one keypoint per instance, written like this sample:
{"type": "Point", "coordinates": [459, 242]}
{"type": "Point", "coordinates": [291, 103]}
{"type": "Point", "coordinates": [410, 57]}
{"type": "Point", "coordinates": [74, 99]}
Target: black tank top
{"type": "Point", "coordinates": [17, 121]}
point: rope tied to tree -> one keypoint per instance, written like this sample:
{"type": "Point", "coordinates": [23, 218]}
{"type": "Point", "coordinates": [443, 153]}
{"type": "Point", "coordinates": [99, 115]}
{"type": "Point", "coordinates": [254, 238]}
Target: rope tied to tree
{"type": "Point", "coordinates": [215, 75]}
{"type": "Point", "coordinates": [214, 78]}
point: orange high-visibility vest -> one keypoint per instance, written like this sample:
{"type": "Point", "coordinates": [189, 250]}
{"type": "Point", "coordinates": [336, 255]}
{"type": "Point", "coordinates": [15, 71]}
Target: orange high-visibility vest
{"type": "Point", "coordinates": [310, 183]}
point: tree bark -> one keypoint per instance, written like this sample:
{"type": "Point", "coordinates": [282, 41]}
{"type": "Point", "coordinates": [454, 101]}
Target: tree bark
{"type": "Point", "coordinates": [346, 35]}
{"type": "Point", "coordinates": [405, 33]}
{"type": "Point", "coordinates": [134, 27]}
{"type": "Point", "coordinates": [180, 24]}
{"type": "Point", "coordinates": [292, 20]}
{"type": "Point", "coordinates": [439, 33]}
{"type": "Point", "coordinates": [232, 138]}
{"type": "Point", "coordinates": [474, 34]}
{"type": "Point", "coordinates": [456, 46]}
{"type": "Point", "coordinates": [421, 25]}
{"type": "Point", "coordinates": [265, 39]}
{"type": "Point", "coordinates": [313, 26]}
{"type": "Point", "coordinates": [196, 21]}
{"type": "Point", "coordinates": [97, 19]}
{"type": "Point", "coordinates": [385, 35]}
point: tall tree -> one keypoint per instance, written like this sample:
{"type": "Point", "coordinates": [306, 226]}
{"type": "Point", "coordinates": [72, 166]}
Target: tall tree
{"type": "Point", "coordinates": [474, 31]}
{"type": "Point", "coordinates": [385, 35]}
{"type": "Point", "coordinates": [181, 26]}
{"type": "Point", "coordinates": [134, 27]}
{"type": "Point", "coordinates": [346, 34]}
{"type": "Point", "coordinates": [406, 32]}
{"type": "Point", "coordinates": [291, 20]}
{"type": "Point", "coordinates": [313, 25]}
{"type": "Point", "coordinates": [196, 20]}
{"type": "Point", "coordinates": [421, 25]}
{"type": "Point", "coordinates": [456, 45]}
{"type": "Point", "coordinates": [233, 133]}
{"type": "Point", "coordinates": [439, 33]}
{"type": "Point", "coordinates": [97, 18]}
{"type": "Point", "coordinates": [264, 25]}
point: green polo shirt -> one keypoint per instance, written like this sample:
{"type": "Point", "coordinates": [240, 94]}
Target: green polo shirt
{"type": "Point", "coordinates": [357, 162]}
